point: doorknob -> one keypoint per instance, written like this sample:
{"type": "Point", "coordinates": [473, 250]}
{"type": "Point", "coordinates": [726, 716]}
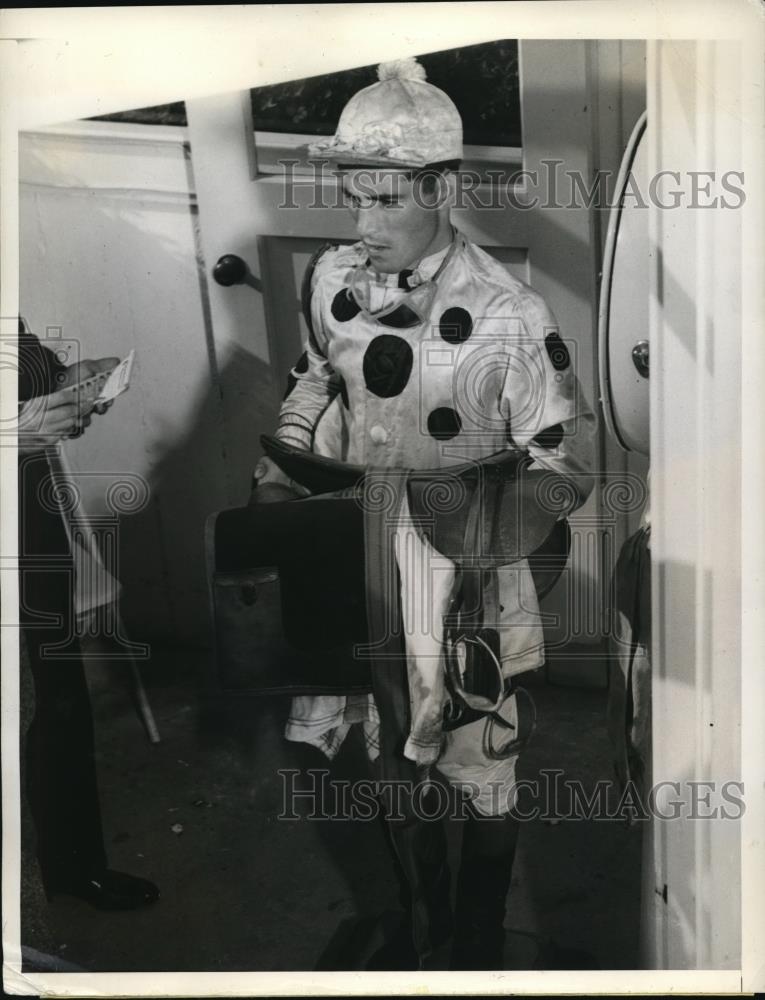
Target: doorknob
{"type": "Point", "coordinates": [230, 270]}
{"type": "Point", "coordinates": [640, 357]}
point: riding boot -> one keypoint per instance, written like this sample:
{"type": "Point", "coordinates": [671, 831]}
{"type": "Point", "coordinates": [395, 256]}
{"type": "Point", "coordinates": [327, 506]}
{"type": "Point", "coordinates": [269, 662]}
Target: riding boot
{"type": "Point", "coordinates": [397, 953]}
{"type": "Point", "coordinates": [486, 866]}
{"type": "Point", "coordinates": [420, 849]}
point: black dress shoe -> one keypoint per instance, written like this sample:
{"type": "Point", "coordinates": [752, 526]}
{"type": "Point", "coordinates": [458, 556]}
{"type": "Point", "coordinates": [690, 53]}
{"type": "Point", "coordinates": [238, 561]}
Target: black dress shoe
{"type": "Point", "coordinates": [109, 890]}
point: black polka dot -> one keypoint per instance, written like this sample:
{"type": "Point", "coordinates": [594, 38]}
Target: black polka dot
{"type": "Point", "coordinates": [455, 325]}
{"type": "Point", "coordinates": [402, 318]}
{"type": "Point", "coordinates": [387, 365]}
{"type": "Point", "coordinates": [557, 351]}
{"type": "Point", "coordinates": [344, 306]}
{"type": "Point", "coordinates": [444, 423]}
{"type": "Point", "coordinates": [302, 365]}
{"type": "Point", "coordinates": [550, 437]}
{"type": "Point", "coordinates": [291, 383]}
{"type": "Point", "coordinates": [344, 393]}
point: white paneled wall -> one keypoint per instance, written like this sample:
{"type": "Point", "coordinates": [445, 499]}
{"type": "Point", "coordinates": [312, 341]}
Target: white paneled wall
{"type": "Point", "coordinates": [109, 258]}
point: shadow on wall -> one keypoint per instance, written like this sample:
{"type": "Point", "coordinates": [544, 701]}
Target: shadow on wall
{"type": "Point", "coordinates": [190, 424]}
{"type": "Point", "coordinates": [207, 469]}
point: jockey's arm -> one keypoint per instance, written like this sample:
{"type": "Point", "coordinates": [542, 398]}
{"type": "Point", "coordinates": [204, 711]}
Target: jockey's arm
{"type": "Point", "coordinates": [547, 411]}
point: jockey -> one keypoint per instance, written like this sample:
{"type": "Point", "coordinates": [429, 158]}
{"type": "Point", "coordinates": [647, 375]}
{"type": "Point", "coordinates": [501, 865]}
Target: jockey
{"type": "Point", "coordinates": [424, 353]}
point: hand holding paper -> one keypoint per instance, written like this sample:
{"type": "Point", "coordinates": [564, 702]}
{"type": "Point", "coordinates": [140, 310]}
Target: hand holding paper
{"type": "Point", "coordinates": [104, 380]}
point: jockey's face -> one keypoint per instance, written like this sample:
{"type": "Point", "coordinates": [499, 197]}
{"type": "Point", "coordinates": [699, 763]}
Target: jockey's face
{"type": "Point", "coordinates": [398, 220]}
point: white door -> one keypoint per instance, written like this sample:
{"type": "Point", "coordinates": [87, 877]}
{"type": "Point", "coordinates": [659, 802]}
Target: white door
{"type": "Point", "coordinates": [258, 329]}
{"type": "Point", "coordinates": [693, 896]}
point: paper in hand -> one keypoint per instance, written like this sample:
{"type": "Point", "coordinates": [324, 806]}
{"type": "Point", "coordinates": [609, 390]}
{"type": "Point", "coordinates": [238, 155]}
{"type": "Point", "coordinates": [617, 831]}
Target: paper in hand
{"type": "Point", "coordinates": [118, 380]}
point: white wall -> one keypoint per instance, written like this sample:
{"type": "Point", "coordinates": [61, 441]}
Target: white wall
{"type": "Point", "coordinates": [109, 255]}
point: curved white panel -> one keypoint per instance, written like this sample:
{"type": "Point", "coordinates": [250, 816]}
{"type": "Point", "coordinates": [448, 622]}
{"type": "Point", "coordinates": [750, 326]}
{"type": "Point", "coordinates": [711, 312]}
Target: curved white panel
{"type": "Point", "coordinates": [623, 311]}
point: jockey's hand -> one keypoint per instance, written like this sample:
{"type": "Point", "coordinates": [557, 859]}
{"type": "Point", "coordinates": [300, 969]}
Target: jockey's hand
{"type": "Point", "coordinates": [271, 484]}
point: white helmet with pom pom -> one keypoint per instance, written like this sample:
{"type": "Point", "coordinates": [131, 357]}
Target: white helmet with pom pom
{"type": "Point", "coordinates": [402, 121]}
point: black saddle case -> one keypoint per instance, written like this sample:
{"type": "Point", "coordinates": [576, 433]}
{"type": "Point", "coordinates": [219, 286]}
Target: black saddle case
{"type": "Point", "coordinates": [287, 594]}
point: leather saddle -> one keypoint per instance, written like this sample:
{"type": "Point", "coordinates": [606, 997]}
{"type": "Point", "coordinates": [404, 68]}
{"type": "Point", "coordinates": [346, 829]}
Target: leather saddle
{"type": "Point", "coordinates": [287, 578]}
{"type": "Point", "coordinates": [508, 509]}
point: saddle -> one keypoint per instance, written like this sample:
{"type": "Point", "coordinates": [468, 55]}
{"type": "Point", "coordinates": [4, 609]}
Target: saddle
{"type": "Point", "coordinates": [494, 509]}
{"type": "Point", "coordinates": [291, 599]}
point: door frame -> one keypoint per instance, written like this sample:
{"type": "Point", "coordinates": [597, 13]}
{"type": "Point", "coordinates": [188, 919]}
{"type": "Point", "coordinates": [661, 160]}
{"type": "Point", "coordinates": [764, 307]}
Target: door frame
{"type": "Point", "coordinates": [696, 912]}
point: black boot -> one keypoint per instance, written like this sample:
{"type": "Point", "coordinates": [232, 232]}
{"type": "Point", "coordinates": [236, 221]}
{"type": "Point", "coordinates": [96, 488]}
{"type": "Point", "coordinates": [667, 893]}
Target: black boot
{"type": "Point", "coordinates": [486, 867]}
{"type": "Point", "coordinates": [398, 953]}
{"type": "Point", "coordinates": [419, 851]}
{"type": "Point", "coordinates": [422, 852]}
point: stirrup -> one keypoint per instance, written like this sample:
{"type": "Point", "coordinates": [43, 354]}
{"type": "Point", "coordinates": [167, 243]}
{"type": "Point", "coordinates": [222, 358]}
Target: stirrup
{"type": "Point", "coordinates": [478, 702]}
{"type": "Point", "coordinates": [515, 746]}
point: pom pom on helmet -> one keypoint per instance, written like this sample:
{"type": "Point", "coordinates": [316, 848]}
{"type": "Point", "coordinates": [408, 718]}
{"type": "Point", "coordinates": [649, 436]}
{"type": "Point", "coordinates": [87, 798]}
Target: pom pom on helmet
{"type": "Point", "coordinates": [401, 69]}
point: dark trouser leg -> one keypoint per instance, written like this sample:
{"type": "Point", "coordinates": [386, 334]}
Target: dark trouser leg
{"type": "Point", "coordinates": [486, 866]}
{"type": "Point", "coordinates": [61, 773]}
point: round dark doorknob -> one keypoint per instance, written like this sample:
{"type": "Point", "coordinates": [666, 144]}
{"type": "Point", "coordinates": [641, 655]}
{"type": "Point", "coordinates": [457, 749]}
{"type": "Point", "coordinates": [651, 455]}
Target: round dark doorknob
{"type": "Point", "coordinates": [230, 270]}
{"type": "Point", "coordinates": [640, 357]}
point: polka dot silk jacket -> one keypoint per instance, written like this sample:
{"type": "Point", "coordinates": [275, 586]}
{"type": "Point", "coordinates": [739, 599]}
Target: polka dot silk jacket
{"type": "Point", "coordinates": [486, 370]}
